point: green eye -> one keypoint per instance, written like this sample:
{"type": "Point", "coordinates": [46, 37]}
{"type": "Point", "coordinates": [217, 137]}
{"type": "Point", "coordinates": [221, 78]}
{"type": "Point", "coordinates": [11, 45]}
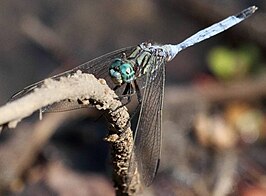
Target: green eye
{"type": "Point", "coordinates": [127, 72]}
{"type": "Point", "coordinates": [121, 72]}
{"type": "Point", "coordinates": [116, 63]}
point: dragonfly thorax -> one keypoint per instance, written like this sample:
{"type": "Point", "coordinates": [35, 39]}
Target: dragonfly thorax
{"type": "Point", "coordinates": [121, 72]}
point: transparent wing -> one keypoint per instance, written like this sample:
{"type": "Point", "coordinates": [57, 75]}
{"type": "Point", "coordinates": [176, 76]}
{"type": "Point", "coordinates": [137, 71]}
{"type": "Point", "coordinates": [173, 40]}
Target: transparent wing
{"type": "Point", "coordinates": [62, 106]}
{"type": "Point", "coordinates": [148, 132]}
{"type": "Point", "coordinates": [99, 67]}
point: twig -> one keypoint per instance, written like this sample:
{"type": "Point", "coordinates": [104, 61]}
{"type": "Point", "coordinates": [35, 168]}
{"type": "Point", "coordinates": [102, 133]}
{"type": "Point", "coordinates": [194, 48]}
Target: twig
{"type": "Point", "coordinates": [88, 88]}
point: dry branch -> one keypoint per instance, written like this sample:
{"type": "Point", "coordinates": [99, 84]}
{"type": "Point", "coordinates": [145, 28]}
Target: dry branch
{"type": "Point", "coordinates": [97, 93]}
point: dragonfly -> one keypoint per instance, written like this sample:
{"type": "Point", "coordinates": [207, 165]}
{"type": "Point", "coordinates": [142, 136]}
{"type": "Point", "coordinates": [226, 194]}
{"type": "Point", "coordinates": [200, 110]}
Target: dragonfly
{"type": "Point", "coordinates": [140, 70]}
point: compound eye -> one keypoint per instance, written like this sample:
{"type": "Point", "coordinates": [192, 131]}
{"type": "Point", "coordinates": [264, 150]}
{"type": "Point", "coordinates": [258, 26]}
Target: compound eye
{"type": "Point", "coordinates": [116, 68]}
{"type": "Point", "coordinates": [116, 64]}
{"type": "Point", "coordinates": [128, 70]}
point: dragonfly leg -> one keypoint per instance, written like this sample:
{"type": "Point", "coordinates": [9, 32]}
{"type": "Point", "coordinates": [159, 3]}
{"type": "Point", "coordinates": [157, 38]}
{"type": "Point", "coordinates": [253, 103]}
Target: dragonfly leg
{"type": "Point", "coordinates": [116, 87]}
{"type": "Point", "coordinates": [139, 96]}
{"type": "Point", "coordinates": [139, 104]}
{"type": "Point", "coordinates": [126, 93]}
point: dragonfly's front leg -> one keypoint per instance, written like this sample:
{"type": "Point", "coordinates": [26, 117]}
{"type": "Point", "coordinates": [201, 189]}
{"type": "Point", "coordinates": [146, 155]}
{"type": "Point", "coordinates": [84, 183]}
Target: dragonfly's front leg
{"type": "Point", "coordinates": [126, 93]}
{"type": "Point", "coordinates": [139, 97]}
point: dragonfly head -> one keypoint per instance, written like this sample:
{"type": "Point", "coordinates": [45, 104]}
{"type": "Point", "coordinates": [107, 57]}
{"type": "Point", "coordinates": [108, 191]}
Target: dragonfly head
{"type": "Point", "coordinates": [121, 72]}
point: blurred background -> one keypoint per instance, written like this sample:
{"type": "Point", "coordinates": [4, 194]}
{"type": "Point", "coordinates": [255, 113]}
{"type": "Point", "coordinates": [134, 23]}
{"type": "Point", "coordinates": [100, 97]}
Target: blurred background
{"type": "Point", "coordinates": [214, 123]}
